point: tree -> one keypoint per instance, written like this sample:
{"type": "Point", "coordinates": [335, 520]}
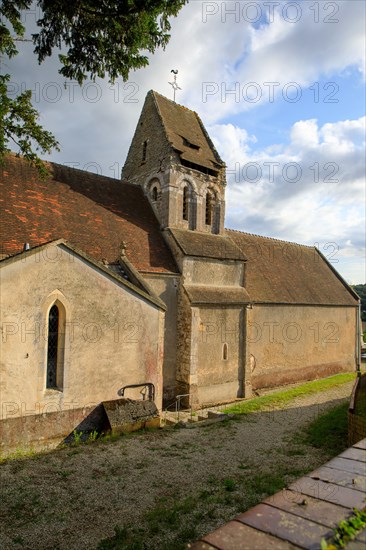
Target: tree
{"type": "Point", "coordinates": [97, 38]}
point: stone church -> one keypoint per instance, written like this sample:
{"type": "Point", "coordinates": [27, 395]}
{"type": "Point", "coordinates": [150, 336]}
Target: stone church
{"type": "Point", "coordinates": [136, 283]}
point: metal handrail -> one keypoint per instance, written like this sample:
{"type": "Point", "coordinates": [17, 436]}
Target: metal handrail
{"type": "Point", "coordinates": [178, 399]}
{"type": "Point", "coordinates": [149, 385]}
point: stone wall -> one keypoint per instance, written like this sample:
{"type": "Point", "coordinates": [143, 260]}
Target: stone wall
{"type": "Point", "coordinates": [185, 357]}
{"type": "Point", "coordinates": [166, 287]}
{"type": "Point", "coordinates": [112, 336]}
{"type": "Point", "coordinates": [211, 272]}
{"type": "Point", "coordinates": [220, 353]}
{"type": "Point", "coordinates": [292, 343]}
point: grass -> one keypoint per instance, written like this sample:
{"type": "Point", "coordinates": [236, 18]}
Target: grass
{"type": "Point", "coordinates": [281, 398]}
{"type": "Point", "coordinates": [182, 513]}
{"type": "Point", "coordinates": [329, 431]}
{"type": "Point", "coordinates": [174, 522]}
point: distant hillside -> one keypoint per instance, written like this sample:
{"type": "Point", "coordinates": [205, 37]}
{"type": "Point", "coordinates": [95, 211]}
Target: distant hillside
{"type": "Point", "coordinates": [361, 291]}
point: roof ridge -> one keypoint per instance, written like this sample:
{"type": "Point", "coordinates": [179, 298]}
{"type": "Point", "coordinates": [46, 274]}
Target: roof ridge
{"type": "Point", "coordinates": [51, 164]}
{"type": "Point", "coordinates": [269, 238]}
{"type": "Point", "coordinates": [174, 102]}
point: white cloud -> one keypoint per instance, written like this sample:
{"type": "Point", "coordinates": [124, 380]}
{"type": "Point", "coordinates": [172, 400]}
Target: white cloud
{"type": "Point", "coordinates": [226, 54]}
{"type": "Point", "coordinates": [312, 191]}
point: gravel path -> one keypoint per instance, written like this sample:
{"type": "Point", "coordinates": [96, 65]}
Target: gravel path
{"type": "Point", "coordinates": [73, 498]}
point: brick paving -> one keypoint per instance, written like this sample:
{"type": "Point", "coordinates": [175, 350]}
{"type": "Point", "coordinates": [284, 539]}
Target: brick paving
{"type": "Point", "coordinates": [301, 515]}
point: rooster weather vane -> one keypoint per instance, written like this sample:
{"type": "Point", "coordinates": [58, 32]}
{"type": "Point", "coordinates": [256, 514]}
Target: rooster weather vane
{"type": "Point", "coordinates": [174, 84]}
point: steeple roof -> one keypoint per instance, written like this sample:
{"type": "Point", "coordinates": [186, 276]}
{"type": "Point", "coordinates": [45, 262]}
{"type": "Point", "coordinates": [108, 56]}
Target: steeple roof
{"type": "Point", "coordinates": [187, 134]}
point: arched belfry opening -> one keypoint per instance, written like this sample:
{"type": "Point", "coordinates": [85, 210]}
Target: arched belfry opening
{"type": "Point", "coordinates": [189, 205]}
{"type": "Point", "coordinates": [212, 211]}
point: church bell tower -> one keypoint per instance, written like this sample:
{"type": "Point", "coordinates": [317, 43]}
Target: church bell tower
{"type": "Point", "coordinates": [175, 162]}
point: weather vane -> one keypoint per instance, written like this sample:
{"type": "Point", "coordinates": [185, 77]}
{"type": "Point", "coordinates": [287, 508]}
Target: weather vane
{"type": "Point", "coordinates": [174, 84]}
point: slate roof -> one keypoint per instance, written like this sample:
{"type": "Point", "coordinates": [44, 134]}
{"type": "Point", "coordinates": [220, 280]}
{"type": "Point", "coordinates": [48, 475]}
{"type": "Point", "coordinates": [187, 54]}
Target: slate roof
{"type": "Point", "coordinates": [207, 245]}
{"type": "Point", "coordinates": [289, 273]}
{"type": "Point", "coordinates": [187, 134]}
{"type": "Point", "coordinates": [92, 212]}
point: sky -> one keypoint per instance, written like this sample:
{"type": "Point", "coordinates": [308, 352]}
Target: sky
{"type": "Point", "coordinates": [280, 87]}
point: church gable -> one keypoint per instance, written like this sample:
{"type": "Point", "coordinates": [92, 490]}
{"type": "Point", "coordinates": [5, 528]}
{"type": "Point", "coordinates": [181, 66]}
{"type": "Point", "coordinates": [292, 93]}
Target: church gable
{"type": "Point", "coordinates": [108, 332]}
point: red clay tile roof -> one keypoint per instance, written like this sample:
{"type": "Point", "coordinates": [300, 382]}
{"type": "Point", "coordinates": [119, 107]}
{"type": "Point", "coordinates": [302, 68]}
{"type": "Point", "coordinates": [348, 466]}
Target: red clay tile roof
{"type": "Point", "coordinates": [92, 212]}
{"type": "Point", "coordinates": [288, 273]}
{"type": "Point", "coordinates": [187, 133]}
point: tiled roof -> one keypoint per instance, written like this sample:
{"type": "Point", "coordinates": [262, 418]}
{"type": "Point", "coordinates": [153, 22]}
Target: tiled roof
{"type": "Point", "coordinates": [187, 134]}
{"type": "Point", "coordinates": [92, 212]}
{"type": "Point", "coordinates": [283, 272]}
{"type": "Point", "coordinates": [207, 245]}
{"type": "Point", "coordinates": [212, 295]}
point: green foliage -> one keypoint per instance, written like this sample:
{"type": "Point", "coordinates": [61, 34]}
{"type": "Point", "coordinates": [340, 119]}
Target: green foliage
{"type": "Point", "coordinates": [104, 38]}
{"type": "Point", "coordinates": [330, 430]}
{"type": "Point", "coordinates": [108, 38]}
{"type": "Point", "coordinates": [229, 485]}
{"type": "Point", "coordinates": [361, 291]}
{"type": "Point", "coordinates": [281, 398]}
{"type": "Point", "coordinates": [93, 436]}
{"type": "Point", "coordinates": [346, 530]}
{"type": "Point", "coordinates": [77, 437]}
{"type": "Point", "coordinates": [19, 120]}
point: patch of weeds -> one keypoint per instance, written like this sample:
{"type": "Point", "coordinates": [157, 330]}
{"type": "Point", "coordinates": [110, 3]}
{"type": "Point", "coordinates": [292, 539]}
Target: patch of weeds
{"type": "Point", "coordinates": [229, 485]}
{"type": "Point", "coordinates": [64, 474]}
{"type": "Point", "coordinates": [164, 517]}
{"type": "Point", "coordinates": [109, 437]}
{"type": "Point", "coordinates": [141, 465]}
{"type": "Point", "coordinates": [267, 483]}
{"type": "Point", "coordinates": [179, 542]}
{"type": "Point", "coordinates": [346, 530]}
{"type": "Point", "coordinates": [74, 452]}
{"type": "Point", "coordinates": [243, 466]}
{"type": "Point", "coordinates": [19, 454]}
{"type": "Point", "coordinates": [18, 540]}
{"type": "Point", "coordinates": [329, 431]}
{"type": "Point", "coordinates": [123, 539]}
{"type": "Point", "coordinates": [77, 437]}
{"type": "Point", "coordinates": [93, 436]}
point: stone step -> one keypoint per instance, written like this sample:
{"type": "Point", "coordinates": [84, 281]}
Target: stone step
{"type": "Point", "coordinates": [215, 414]}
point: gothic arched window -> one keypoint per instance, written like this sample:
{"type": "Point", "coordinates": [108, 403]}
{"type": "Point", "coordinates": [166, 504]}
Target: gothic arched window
{"type": "Point", "coordinates": [154, 193]}
{"type": "Point", "coordinates": [55, 347]}
{"type": "Point", "coordinates": [52, 347]}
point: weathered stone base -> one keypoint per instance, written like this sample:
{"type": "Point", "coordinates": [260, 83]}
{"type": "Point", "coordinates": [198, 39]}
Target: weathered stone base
{"type": "Point", "coordinates": [47, 431]}
{"type": "Point", "coordinates": [277, 377]}
{"type": "Point", "coordinates": [219, 393]}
